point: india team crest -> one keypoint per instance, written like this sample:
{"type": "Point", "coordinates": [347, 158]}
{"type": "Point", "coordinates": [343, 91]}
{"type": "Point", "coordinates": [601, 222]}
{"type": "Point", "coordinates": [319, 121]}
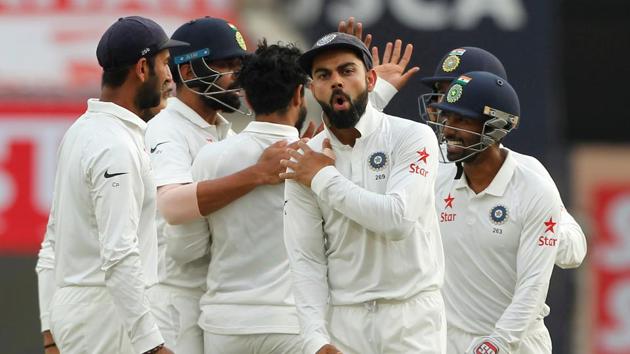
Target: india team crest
{"type": "Point", "coordinates": [450, 63]}
{"type": "Point", "coordinates": [239, 37]}
{"type": "Point", "coordinates": [377, 161]}
{"type": "Point", "coordinates": [454, 93]}
{"type": "Point", "coordinates": [499, 215]}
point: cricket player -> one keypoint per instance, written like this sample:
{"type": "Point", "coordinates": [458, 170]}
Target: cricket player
{"type": "Point", "coordinates": [248, 306]}
{"type": "Point", "coordinates": [360, 230]}
{"type": "Point", "coordinates": [572, 242]}
{"type": "Point", "coordinates": [101, 246]}
{"type": "Point", "coordinates": [499, 221]}
{"type": "Point", "coordinates": [205, 74]}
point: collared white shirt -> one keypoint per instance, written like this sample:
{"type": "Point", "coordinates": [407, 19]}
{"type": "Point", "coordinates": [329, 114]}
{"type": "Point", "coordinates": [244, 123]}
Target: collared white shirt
{"type": "Point", "coordinates": [367, 228]}
{"type": "Point", "coordinates": [249, 285]}
{"type": "Point", "coordinates": [101, 230]}
{"type": "Point", "coordinates": [173, 138]}
{"type": "Point", "coordinates": [500, 246]}
{"type": "Point", "coordinates": [571, 240]}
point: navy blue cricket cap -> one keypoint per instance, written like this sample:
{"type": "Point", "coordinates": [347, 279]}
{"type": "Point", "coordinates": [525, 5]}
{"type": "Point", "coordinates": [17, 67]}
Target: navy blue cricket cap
{"type": "Point", "coordinates": [336, 40]}
{"type": "Point", "coordinates": [462, 60]}
{"type": "Point", "coordinates": [131, 38]}
{"type": "Point", "coordinates": [210, 38]}
{"type": "Point", "coordinates": [481, 95]}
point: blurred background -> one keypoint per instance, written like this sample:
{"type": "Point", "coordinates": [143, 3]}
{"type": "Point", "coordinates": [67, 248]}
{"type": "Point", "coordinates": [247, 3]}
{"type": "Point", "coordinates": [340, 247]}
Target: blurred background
{"type": "Point", "coordinates": [566, 59]}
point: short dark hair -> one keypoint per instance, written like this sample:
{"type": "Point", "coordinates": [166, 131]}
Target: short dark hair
{"type": "Point", "coordinates": [116, 77]}
{"type": "Point", "coordinates": [270, 76]}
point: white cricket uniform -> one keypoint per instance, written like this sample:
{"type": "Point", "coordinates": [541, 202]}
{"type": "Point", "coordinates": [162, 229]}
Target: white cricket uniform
{"type": "Point", "coordinates": [173, 138]}
{"type": "Point", "coordinates": [571, 240]}
{"type": "Point", "coordinates": [500, 247]}
{"type": "Point", "coordinates": [248, 306]}
{"type": "Point", "coordinates": [572, 245]}
{"type": "Point", "coordinates": [365, 239]}
{"type": "Point", "coordinates": [100, 244]}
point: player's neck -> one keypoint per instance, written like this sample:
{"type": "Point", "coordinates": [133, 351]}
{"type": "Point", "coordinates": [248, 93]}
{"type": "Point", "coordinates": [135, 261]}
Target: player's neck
{"type": "Point", "coordinates": [284, 119]}
{"type": "Point", "coordinates": [195, 102]}
{"type": "Point", "coordinates": [123, 96]}
{"type": "Point", "coordinates": [481, 171]}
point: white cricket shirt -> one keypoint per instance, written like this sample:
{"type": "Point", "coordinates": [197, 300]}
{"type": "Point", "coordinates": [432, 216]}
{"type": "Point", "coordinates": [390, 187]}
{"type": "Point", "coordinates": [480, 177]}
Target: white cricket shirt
{"type": "Point", "coordinates": [367, 228]}
{"type": "Point", "coordinates": [101, 230]}
{"type": "Point", "coordinates": [173, 139]}
{"type": "Point", "coordinates": [248, 283]}
{"type": "Point", "coordinates": [500, 247]}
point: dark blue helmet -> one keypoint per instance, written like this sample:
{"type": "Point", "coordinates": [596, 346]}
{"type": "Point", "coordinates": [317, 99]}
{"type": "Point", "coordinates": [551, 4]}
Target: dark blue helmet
{"type": "Point", "coordinates": [462, 60]}
{"type": "Point", "coordinates": [485, 97]}
{"type": "Point", "coordinates": [210, 39]}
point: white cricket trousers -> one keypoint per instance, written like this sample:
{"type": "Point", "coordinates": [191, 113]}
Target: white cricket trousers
{"type": "Point", "coordinates": [176, 311]}
{"type": "Point", "coordinates": [267, 343]}
{"type": "Point", "coordinates": [417, 325]}
{"type": "Point", "coordinates": [536, 341]}
{"type": "Point", "coordinates": [84, 320]}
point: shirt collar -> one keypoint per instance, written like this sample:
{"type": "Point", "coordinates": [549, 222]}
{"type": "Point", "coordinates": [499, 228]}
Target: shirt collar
{"type": "Point", "coordinates": [96, 105]}
{"type": "Point", "coordinates": [183, 109]}
{"type": "Point", "coordinates": [369, 122]}
{"type": "Point", "coordinates": [272, 129]}
{"type": "Point", "coordinates": [500, 182]}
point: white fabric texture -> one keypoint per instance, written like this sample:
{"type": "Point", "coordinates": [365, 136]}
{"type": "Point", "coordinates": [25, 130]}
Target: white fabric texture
{"type": "Point", "coordinates": [374, 207]}
{"type": "Point", "coordinates": [500, 247]}
{"type": "Point", "coordinates": [102, 224]}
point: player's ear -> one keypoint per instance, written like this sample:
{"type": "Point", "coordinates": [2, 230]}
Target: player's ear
{"type": "Point", "coordinates": [370, 77]}
{"type": "Point", "coordinates": [298, 96]}
{"type": "Point", "coordinates": [141, 69]}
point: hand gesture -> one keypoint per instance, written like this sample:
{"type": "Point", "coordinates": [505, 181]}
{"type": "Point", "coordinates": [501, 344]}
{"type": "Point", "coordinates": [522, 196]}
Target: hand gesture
{"type": "Point", "coordinates": [311, 131]}
{"type": "Point", "coordinates": [305, 166]}
{"type": "Point", "coordinates": [268, 166]}
{"type": "Point", "coordinates": [355, 29]}
{"type": "Point", "coordinates": [392, 68]}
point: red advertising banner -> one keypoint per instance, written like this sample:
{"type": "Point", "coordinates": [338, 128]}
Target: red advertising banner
{"type": "Point", "coordinates": [29, 136]}
{"type": "Point", "coordinates": [611, 270]}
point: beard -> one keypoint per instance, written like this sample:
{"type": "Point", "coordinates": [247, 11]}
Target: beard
{"type": "Point", "coordinates": [347, 118]}
{"type": "Point", "coordinates": [301, 118]}
{"type": "Point", "coordinates": [149, 97]}
{"type": "Point", "coordinates": [226, 102]}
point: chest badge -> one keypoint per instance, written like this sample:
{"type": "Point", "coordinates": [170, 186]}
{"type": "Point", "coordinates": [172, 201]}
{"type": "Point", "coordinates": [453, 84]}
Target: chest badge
{"type": "Point", "coordinates": [499, 215]}
{"type": "Point", "coordinates": [378, 161]}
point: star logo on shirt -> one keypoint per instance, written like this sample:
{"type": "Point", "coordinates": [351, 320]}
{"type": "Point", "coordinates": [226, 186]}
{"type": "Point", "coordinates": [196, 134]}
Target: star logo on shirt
{"type": "Point", "coordinates": [449, 201]}
{"type": "Point", "coordinates": [550, 225]}
{"type": "Point", "coordinates": [423, 155]}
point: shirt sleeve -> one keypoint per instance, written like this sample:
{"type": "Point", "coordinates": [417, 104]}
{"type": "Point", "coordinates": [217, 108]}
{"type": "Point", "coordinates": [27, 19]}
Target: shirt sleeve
{"type": "Point", "coordinates": [170, 156]}
{"type": "Point", "coordinates": [409, 192]}
{"type": "Point", "coordinates": [188, 242]}
{"type": "Point", "coordinates": [383, 93]}
{"type": "Point", "coordinates": [304, 240]}
{"type": "Point", "coordinates": [572, 247]}
{"type": "Point", "coordinates": [534, 264]}
{"type": "Point", "coordinates": [45, 269]}
{"type": "Point", "coordinates": [117, 202]}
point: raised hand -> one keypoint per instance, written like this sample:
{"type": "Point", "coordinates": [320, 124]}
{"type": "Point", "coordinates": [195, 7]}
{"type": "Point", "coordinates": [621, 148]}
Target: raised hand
{"type": "Point", "coordinates": [392, 67]}
{"type": "Point", "coordinates": [355, 29]}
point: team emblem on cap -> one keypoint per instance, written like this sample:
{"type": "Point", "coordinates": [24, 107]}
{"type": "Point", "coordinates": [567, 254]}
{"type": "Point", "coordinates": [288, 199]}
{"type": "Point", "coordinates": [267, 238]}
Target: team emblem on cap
{"type": "Point", "coordinates": [499, 215]}
{"type": "Point", "coordinates": [451, 63]}
{"type": "Point", "coordinates": [325, 39]}
{"type": "Point", "coordinates": [377, 161]}
{"type": "Point", "coordinates": [240, 40]}
{"type": "Point", "coordinates": [454, 93]}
